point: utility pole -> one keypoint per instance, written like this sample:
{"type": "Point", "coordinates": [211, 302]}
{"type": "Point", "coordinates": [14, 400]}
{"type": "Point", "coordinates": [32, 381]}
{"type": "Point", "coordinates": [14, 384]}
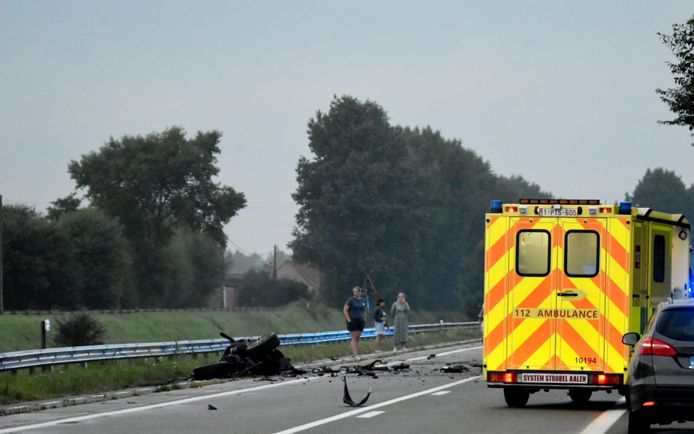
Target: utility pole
{"type": "Point", "coordinates": [274, 262]}
{"type": "Point", "coordinates": [2, 303]}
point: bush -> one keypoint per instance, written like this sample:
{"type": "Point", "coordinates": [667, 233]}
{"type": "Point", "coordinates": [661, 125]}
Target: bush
{"type": "Point", "coordinates": [257, 288]}
{"type": "Point", "coordinates": [79, 329]}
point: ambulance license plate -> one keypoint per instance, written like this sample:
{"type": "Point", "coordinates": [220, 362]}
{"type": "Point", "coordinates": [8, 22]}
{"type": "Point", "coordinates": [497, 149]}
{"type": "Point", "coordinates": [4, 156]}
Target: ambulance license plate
{"type": "Point", "coordinates": [554, 378]}
{"type": "Point", "coordinates": [561, 212]}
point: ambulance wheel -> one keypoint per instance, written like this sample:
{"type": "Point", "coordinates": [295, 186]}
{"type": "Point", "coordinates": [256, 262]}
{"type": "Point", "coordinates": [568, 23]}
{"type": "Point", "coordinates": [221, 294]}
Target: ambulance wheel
{"type": "Point", "coordinates": [516, 397]}
{"type": "Point", "coordinates": [580, 396]}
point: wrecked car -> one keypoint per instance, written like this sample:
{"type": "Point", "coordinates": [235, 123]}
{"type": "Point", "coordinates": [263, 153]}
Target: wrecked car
{"type": "Point", "coordinates": [245, 357]}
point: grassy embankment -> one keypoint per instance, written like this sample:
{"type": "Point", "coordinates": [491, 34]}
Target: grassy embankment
{"type": "Point", "coordinates": [22, 332]}
{"type": "Point", "coordinates": [109, 376]}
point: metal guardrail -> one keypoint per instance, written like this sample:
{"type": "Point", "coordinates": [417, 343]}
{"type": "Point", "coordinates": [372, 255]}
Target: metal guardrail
{"type": "Point", "coordinates": [12, 361]}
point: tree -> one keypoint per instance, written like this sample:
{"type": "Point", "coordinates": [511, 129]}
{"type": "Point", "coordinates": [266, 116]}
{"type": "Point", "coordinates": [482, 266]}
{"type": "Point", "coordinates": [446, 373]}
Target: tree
{"type": "Point", "coordinates": [680, 99]}
{"type": "Point", "coordinates": [660, 189]}
{"type": "Point", "coordinates": [193, 265]}
{"type": "Point", "coordinates": [257, 288]}
{"type": "Point", "coordinates": [62, 206]}
{"type": "Point", "coordinates": [156, 182]}
{"type": "Point", "coordinates": [663, 190]}
{"type": "Point", "coordinates": [100, 255]}
{"type": "Point", "coordinates": [155, 186]}
{"type": "Point", "coordinates": [39, 272]}
{"type": "Point", "coordinates": [240, 263]}
{"type": "Point", "coordinates": [353, 197]}
{"type": "Point", "coordinates": [404, 205]}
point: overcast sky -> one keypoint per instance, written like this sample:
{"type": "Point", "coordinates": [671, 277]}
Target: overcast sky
{"type": "Point", "coordinates": [560, 92]}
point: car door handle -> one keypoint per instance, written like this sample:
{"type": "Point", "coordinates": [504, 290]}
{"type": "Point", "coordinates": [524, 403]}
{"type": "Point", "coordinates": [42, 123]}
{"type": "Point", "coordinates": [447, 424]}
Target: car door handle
{"type": "Point", "coordinates": [567, 294]}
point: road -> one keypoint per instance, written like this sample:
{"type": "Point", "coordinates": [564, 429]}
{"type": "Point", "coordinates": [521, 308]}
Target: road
{"type": "Point", "coordinates": [421, 400]}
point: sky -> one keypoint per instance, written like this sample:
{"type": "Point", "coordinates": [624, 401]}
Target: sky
{"type": "Point", "coordinates": [560, 92]}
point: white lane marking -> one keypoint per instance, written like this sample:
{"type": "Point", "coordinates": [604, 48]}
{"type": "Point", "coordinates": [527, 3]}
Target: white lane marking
{"type": "Point", "coordinates": [447, 353]}
{"type": "Point", "coordinates": [152, 406]}
{"type": "Point", "coordinates": [443, 392]}
{"type": "Point", "coordinates": [370, 414]}
{"type": "Point", "coordinates": [372, 407]}
{"type": "Point", "coordinates": [605, 420]}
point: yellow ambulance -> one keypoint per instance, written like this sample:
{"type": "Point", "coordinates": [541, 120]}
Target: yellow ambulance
{"type": "Point", "coordinates": [564, 280]}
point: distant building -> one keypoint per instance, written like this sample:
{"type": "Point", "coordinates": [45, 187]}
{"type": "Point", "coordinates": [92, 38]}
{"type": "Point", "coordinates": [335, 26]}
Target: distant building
{"type": "Point", "coordinates": [301, 273]}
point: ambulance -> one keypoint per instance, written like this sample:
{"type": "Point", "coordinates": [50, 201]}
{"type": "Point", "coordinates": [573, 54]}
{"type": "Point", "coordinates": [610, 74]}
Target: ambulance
{"type": "Point", "coordinates": [564, 280]}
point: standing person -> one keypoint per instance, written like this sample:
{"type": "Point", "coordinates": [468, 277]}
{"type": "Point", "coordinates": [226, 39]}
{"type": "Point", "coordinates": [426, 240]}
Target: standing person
{"type": "Point", "coordinates": [399, 311]}
{"type": "Point", "coordinates": [354, 309]}
{"type": "Point", "coordinates": [379, 323]}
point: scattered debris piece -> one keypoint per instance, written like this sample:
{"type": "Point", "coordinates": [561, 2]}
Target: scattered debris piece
{"type": "Point", "coordinates": [454, 369]}
{"type": "Point", "coordinates": [211, 407]}
{"type": "Point", "coordinates": [399, 366]}
{"type": "Point", "coordinates": [347, 399]}
{"type": "Point", "coordinates": [244, 357]}
{"type": "Point", "coordinates": [431, 356]}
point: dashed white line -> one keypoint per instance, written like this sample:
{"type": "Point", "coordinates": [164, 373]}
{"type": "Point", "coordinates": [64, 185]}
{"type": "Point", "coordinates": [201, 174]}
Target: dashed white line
{"type": "Point", "coordinates": [375, 406]}
{"type": "Point", "coordinates": [370, 414]}
{"type": "Point", "coordinates": [443, 392]}
{"type": "Point", "coordinates": [604, 422]}
{"type": "Point", "coordinates": [447, 353]}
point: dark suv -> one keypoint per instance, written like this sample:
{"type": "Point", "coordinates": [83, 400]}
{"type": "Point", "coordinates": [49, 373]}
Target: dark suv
{"type": "Point", "coordinates": [661, 379]}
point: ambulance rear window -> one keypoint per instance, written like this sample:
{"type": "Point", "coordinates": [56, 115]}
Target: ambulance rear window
{"type": "Point", "coordinates": [581, 253]}
{"type": "Point", "coordinates": [532, 253]}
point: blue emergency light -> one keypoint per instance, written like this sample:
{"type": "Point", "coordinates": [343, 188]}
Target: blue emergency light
{"type": "Point", "coordinates": [625, 207]}
{"type": "Point", "coordinates": [496, 206]}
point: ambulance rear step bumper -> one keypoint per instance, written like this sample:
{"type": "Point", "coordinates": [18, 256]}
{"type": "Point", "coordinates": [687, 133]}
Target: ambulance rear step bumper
{"type": "Point", "coordinates": [548, 380]}
{"type": "Point", "coordinates": [536, 387]}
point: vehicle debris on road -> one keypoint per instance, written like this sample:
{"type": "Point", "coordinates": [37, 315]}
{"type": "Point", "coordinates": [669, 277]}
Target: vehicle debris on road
{"type": "Point", "coordinates": [454, 368]}
{"type": "Point", "coordinates": [347, 399]}
{"type": "Point", "coordinates": [244, 357]}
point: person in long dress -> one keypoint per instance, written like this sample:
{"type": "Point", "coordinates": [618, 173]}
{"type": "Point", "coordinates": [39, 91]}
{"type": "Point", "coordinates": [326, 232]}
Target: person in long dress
{"type": "Point", "coordinates": [399, 311]}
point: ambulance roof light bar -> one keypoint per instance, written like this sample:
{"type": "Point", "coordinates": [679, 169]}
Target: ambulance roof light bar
{"type": "Point", "coordinates": [525, 201]}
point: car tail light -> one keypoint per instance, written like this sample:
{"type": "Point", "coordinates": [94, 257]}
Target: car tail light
{"type": "Point", "coordinates": [656, 347]}
{"type": "Point", "coordinates": [501, 377]}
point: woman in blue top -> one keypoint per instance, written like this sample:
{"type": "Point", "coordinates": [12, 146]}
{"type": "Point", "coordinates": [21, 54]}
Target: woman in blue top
{"type": "Point", "coordinates": [354, 309]}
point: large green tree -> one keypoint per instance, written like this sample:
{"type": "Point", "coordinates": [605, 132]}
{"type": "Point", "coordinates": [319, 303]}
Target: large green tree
{"type": "Point", "coordinates": [353, 196]}
{"type": "Point", "coordinates": [156, 182]}
{"type": "Point", "coordinates": [404, 205]}
{"type": "Point", "coordinates": [680, 98]}
{"type": "Point", "coordinates": [663, 190]}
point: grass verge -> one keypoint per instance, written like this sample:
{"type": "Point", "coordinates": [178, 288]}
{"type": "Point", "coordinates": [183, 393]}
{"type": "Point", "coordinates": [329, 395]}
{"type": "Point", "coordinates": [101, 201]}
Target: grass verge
{"type": "Point", "coordinates": [22, 332]}
{"type": "Point", "coordinates": [110, 376]}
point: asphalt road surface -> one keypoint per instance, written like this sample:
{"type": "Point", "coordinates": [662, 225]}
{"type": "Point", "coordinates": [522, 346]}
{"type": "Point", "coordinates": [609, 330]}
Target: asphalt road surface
{"type": "Point", "coordinates": [421, 400]}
